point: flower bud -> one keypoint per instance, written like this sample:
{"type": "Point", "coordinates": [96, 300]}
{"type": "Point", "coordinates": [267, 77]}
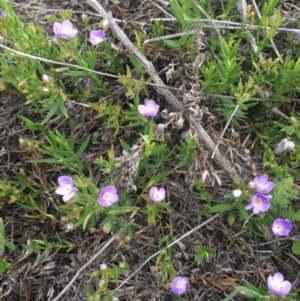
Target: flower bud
{"type": "Point", "coordinates": [103, 266]}
{"type": "Point", "coordinates": [290, 146]}
{"type": "Point", "coordinates": [105, 25]}
{"type": "Point", "coordinates": [70, 227]}
{"type": "Point", "coordinates": [251, 185]}
{"type": "Point", "coordinates": [85, 19]}
{"type": "Point", "coordinates": [237, 193]}
{"type": "Point", "coordinates": [46, 78]}
{"type": "Point", "coordinates": [17, 47]}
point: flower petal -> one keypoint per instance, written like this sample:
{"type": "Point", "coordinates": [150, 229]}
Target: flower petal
{"type": "Point", "coordinates": [67, 24]}
{"type": "Point", "coordinates": [68, 195]}
{"type": "Point", "coordinates": [65, 181]}
{"type": "Point", "coordinates": [57, 28]}
{"type": "Point", "coordinates": [286, 287]}
{"type": "Point", "coordinates": [61, 190]}
{"type": "Point", "coordinates": [278, 278]}
{"type": "Point", "coordinates": [143, 110]}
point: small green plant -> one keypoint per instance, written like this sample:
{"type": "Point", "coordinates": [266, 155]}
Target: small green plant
{"type": "Point", "coordinates": [4, 244]}
{"type": "Point", "coordinates": [80, 85]}
{"type": "Point", "coordinates": [43, 247]}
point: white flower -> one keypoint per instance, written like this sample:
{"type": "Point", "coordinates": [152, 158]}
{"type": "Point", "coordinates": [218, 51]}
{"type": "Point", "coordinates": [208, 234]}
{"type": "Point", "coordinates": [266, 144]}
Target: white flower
{"type": "Point", "coordinates": [237, 193]}
{"type": "Point", "coordinates": [290, 146]}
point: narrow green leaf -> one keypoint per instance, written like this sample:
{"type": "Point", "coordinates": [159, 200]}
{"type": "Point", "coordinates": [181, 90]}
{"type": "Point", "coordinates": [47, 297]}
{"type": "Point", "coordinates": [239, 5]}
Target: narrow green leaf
{"type": "Point", "coordinates": [30, 125]}
{"type": "Point", "coordinates": [268, 7]}
{"type": "Point", "coordinates": [2, 230]}
{"type": "Point", "coordinates": [220, 208]}
{"type": "Point", "coordinates": [86, 219]}
{"type": "Point", "coordinates": [51, 112]}
{"type": "Point", "coordinates": [62, 106]}
{"type": "Point", "coordinates": [2, 267]}
{"type": "Point", "coordinates": [123, 209]}
{"type": "Point", "coordinates": [172, 44]}
{"type": "Point", "coordinates": [83, 147]}
{"type": "Point", "coordinates": [11, 246]}
{"type": "Point", "coordinates": [177, 11]}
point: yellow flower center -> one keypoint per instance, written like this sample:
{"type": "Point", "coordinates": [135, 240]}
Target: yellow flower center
{"type": "Point", "coordinates": [106, 196]}
{"type": "Point", "coordinates": [258, 202]}
{"type": "Point", "coordinates": [279, 227]}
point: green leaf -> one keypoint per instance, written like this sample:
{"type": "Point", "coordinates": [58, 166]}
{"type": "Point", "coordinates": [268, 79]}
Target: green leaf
{"type": "Point", "coordinates": [187, 4]}
{"type": "Point", "coordinates": [220, 208]}
{"type": "Point", "coordinates": [83, 147]}
{"type": "Point", "coordinates": [122, 210]}
{"type": "Point", "coordinates": [245, 292]}
{"type": "Point", "coordinates": [203, 253]}
{"type": "Point", "coordinates": [231, 218]}
{"type": "Point", "coordinates": [62, 106]}
{"type": "Point", "coordinates": [86, 219]}
{"type": "Point", "coordinates": [172, 44]}
{"type": "Point", "coordinates": [107, 224]}
{"type": "Point", "coordinates": [243, 212]}
{"type": "Point", "coordinates": [51, 112]}
{"type": "Point", "coordinates": [11, 246]}
{"type": "Point", "coordinates": [2, 267]}
{"type": "Point", "coordinates": [177, 11]}
{"type": "Point", "coordinates": [30, 125]}
{"type": "Point", "coordinates": [268, 6]}
{"type": "Point", "coordinates": [125, 145]}
{"type": "Point", "coordinates": [2, 231]}
{"type": "Point", "coordinates": [296, 247]}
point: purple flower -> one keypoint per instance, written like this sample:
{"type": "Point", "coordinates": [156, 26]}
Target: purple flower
{"type": "Point", "coordinates": [259, 203]}
{"type": "Point", "coordinates": [277, 285]}
{"type": "Point", "coordinates": [64, 30]}
{"type": "Point", "coordinates": [178, 285]}
{"type": "Point", "coordinates": [262, 184]}
{"type": "Point", "coordinates": [149, 109]}
{"type": "Point", "coordinates": [281, 227]}
{"type": "Point", "coordinates": [298, 36]}
{"type": "Point", "coordinates": [96, 37]}
{"type": "Point", "coordinates": [108, 196]}
{"type": "Point", "coordinates": [2, 15]}
{"type": "Point", "coordinates": [157, 194]}
{"type": "Point", "coordinates": [66, 188]}
{"type": "Point", "coordinates": [70, 105]}
{"type": "Point", "coordinates": [87, 157]}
